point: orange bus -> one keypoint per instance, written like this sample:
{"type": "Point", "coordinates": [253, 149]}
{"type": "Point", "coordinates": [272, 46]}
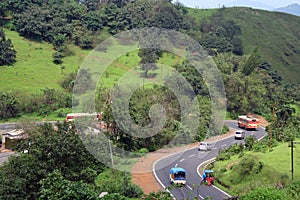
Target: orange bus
{"type": "Point", "coordinates": [248, 122]}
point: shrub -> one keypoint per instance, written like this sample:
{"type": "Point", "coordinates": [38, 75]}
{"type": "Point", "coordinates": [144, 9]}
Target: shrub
{"type": "Point", "coordinates": [9, 106]}
{"type": "Point", "coordinates": [223, 156]}
{"type": "Point", "coordinates": [249, 142]}
{"type": "Point", "coordinates": [223, 170]}
{"type": "Point", "coordinates": [265, 194]}
{"type": "Point", "coordinates": [143, 150]}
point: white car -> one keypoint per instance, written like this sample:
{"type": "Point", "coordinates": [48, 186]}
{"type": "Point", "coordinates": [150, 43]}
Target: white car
{"type": "Point", "coordinates": [239, 134]}
{"type": "Point", "coordinates": [204, 146]}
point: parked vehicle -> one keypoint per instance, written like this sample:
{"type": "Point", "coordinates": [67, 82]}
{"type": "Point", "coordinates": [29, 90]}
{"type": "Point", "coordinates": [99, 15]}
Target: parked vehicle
{"type": "Point", "coordinates": [239, 135]}
{"type": "Point", "coordinates": [177, 176]}
{"type": "Point", "coordinates": [205, 146]}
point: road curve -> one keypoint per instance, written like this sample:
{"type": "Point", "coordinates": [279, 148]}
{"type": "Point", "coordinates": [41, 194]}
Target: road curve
{"type": "Point", "coordinates": [190, 160]}
{"type": "Point", "coordinates": [18, 125]}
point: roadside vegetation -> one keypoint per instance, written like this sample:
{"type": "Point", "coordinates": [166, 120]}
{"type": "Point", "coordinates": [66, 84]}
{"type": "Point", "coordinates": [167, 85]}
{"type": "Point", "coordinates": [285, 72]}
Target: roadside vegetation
{"type": "Point", "coordinates": [52, 169]}
{"type": "Point", "coordinates": [260, 168]}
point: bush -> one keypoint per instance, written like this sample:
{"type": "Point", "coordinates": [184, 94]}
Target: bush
{"type": "Point", "coordinates": [62, 112]}
{"type": "Point", "coordinates": [249, 142]}
{"type": "Point", "coordinates": [223, 170]}
{"type": "Point", "coordinates": [225, 129]}
{"type": "Point", "coordinates": [9, 106]}
{"type": "Point", "coordinates": [265, 194]}
{"type": "Point", "coordinates": [294, 189]}
{"type": "Point", "coordinates": [143, 150]}
{"type": "Point", "coordinates": [223, 156]}
{"type": "Point", "coordinates": [113, 181]}
{"type": "Point", "coordinates": [57, 58]}
{"type": "Point", "coordinates": [7, 51]}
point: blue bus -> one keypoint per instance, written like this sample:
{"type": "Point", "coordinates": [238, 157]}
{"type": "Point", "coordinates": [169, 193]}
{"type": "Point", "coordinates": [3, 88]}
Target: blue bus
{"type": "Point", "coordinates": [177, 176]}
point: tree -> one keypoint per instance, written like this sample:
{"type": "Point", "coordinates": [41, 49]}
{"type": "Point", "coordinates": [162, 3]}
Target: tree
{"type": "Point", "coordinates": [55, 186]}
{"type": "Point", "coordinates": [251, 63]}
{"type": "Point", "coordinates": [113, 181]}
{"type": "Point", "coordinates": [8, 106]}
{"type": "Point", "coordinates": [148, 60]}
{"type": "Point", "coordinates": [68, 82]}
{"type": "Point", "coordinates": [245, 93]}
{"type": "Point", "coordinates": [48, 150]}
{"type": "Point", "coordinates": [57, 58]}
{"type": "Point", "coordinates": [7, 51]}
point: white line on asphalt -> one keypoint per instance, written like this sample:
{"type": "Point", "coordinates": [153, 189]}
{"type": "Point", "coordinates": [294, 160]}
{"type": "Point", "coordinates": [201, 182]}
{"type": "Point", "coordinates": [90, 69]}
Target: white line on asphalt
{"type": "Point", "coordinates": [208, 161]}
{"type": "Point", "coordinates": [221, 191]}
{"type": "Point", "coordinates": [223, 145]}
{"type": "Point", "coordinates": [191, 155]}
{"type": "Point", "coordinates": [156, 177]}
{"type": "Point", "coordinates": [189, 187]}
{"type": "Point", "coordinates": [192, 190]}
{"type": "Point", "coordinates": [181, 160]}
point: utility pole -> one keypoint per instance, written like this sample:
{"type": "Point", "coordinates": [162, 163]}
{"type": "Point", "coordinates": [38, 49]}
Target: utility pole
{"type": "Point", "coordinates": [272, 124]}
{"type": "Point", "coordinates": [292, 159]}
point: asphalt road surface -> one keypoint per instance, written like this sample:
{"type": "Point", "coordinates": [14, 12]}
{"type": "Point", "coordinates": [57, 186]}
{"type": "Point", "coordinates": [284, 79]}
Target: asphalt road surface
{"type": "Point", "coordinates": [190, 160]}
{"type": "Point", "coordinates": [4, 156]}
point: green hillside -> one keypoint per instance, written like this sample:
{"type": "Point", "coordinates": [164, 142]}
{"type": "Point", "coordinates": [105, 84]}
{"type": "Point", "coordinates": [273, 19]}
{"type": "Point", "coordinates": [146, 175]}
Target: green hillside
{"type": "Point", "coordinates": [277, 36]}
{"type": "Point", "coordinates": [34, 69]}
{"type": "Point", "coordinates": [273, 165]}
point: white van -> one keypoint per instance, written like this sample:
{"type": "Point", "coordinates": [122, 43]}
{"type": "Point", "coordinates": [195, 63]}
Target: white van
{"type": "Point", "coordinates": [239, 134]}
{"type": "Point", "coordinates": [204, 146]}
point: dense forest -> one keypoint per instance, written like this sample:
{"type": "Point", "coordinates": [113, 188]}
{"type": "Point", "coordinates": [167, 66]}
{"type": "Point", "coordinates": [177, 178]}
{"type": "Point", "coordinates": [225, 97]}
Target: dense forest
{"type": "Point", "coordinates": [251, 84]}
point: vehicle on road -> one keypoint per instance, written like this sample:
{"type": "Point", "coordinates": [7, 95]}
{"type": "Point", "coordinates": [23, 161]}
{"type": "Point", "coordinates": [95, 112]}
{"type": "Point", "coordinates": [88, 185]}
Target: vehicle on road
{"type": "Point", "coordinates": [239, 135]}
{"type": "Point", "coordinates": [177, 176]}
{"type": "Point", "coordinates": [208, 177]}
{"type": "Point", "coordinates": [248, 122]}
{"type": "Point", "coordinates": [204, 146]}
{"type": "Point", "coordinates": [72, 116]}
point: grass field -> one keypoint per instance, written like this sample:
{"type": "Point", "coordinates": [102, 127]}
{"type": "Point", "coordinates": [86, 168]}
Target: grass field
{"type": "Point", "coordinates": [276, 169]}
{"type": "Point", "coordinates": [276, 35]}
{"type": "Point", "coordinates": [34, 69]}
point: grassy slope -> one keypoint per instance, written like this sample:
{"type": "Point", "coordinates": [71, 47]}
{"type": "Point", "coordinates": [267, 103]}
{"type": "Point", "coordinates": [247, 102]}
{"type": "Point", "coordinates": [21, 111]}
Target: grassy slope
{"type": "Point", "coordinates": [200, 14]}
{"type": "Point", "coordinates": [34, 69]}
{"type": "Point", "coordinates": [277, 36]}
{"type": "Point", "coordinates": [276, 163]}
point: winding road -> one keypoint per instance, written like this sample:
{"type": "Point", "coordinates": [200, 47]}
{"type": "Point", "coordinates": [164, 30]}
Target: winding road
{"type": "Point", "coordinates": [191, 160]}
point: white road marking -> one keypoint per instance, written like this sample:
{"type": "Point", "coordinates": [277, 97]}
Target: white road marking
{"type": "Point", "coordinates": [189, 187]}
{"type": "Point", "coordinates": [192, 190]}
{"type": "Point", "coordinates": [191, 155]}
{"type": "Point", "coordinates": [223, 145]}
{"type": "Point", "coordinates": [221, 191]}
{"type": "Point", "coordinates": [160, 182]}
{"type": "Point", "coordinates": [181, 160]}
{"type": "Point", "coordinates": [201, 196]}
{"type": "Point", "coordinates": [176, 165]}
